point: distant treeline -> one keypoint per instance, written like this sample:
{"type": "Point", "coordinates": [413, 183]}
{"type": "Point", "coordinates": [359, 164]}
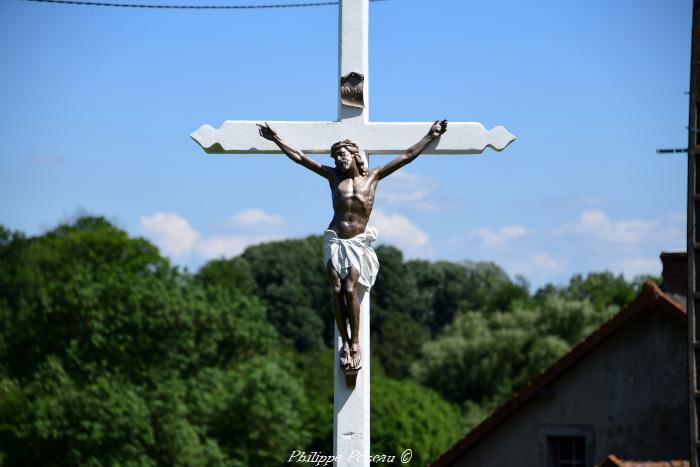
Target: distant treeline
{"type": "Point", "coordinates": [110, 355]}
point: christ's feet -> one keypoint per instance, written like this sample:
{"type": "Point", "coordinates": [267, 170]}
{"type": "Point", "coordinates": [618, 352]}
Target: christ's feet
{"type": "Point", "coordinates": [345, 359]}
{"type": "Point", "coordinates": [355, 357]}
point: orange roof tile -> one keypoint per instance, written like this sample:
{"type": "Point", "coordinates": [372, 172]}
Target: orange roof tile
{"type": "Point", "coordinates": [613, 461]}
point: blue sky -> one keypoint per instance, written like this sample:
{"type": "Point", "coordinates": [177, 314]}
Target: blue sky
{"type": "Point", "coordinates": [98, 103]}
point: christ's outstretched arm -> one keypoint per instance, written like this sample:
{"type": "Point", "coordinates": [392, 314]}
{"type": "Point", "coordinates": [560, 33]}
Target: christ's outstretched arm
{"type": "Point", "coordinates": [293, 153]}
{"type": "Point", "coordinates": [437, 129]}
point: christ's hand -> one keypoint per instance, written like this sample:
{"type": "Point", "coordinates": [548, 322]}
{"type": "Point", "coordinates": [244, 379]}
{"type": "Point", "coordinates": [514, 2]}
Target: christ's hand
{"type": "Point", "coordinates": [266, 132]}
{"type": "Point", "coordinates": [437, 129]}
{"type": "Point", "coordinates": [293, 153]}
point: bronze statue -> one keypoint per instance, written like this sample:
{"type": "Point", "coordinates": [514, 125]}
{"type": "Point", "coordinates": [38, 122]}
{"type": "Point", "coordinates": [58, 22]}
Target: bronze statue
{"type": "Point", "coordinates": [349, 257]}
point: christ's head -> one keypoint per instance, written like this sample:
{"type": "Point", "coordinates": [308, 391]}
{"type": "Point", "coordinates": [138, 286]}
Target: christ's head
{"type": "Point", "coordinates": [345, 152]}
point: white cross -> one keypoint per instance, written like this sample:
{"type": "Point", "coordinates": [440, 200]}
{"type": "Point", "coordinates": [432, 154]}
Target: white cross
{"type": "Point", "coordinates": [351, 443]}
{"type": "Point", "coordinates": [241, 136]}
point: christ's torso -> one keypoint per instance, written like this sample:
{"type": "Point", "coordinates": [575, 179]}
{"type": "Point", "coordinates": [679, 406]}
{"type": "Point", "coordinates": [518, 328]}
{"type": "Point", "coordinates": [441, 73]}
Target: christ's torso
{"type": "Point", "coordinates": [353, 199]}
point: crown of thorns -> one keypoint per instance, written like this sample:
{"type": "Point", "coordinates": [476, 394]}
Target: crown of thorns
{"type": "Point", "coordinates": [346, 143]}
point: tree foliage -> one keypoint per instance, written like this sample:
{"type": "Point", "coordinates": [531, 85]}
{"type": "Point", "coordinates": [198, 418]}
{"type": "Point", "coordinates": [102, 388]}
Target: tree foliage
{"type": "Point", "coordinates": [416, 299]}
{"type": "Point", "coordinates": [406, 415]}
{"type": "Point", "coordinates": [601, 289]}
{"type": "Point", "coordinates": [484, 357]}
{"type": "Point", "coordinates": [104, 346]}
{"type": "Point", "coordinates": [290, 279]}
{"type": "Point", "coordinates": [109, 355]}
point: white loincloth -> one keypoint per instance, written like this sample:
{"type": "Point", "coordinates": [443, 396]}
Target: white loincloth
{"type": "Point", "coordinates": [355, 252]}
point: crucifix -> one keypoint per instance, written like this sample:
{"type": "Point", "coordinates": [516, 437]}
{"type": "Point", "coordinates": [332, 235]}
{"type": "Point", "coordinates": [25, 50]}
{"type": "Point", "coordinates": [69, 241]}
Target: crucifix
{"type": "Point", "coordinates": [350, 261]}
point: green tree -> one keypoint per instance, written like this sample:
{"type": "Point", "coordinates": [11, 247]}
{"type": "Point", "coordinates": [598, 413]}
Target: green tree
{"type": "Point", "coordinates": [395, 290]}
{"type": "Point", "coordinates": [290, 279]}
{"type": "Point", "coordinates": [445, 287]}
{"type": "Point", "coordinates": [601, 289]}
{"type": "Point", "coordinates": [231, 275]}
{"type": "Point", "coordinates": [103, 346]}
{"type": "Point", "coordinates": [315, 370]}
{"type": "Point", "coordinates": [397, 344]}
{"type": "Point", "coordinates": [254, 411]}
{"type": "Point", "coordinates": [55, 420]}
{"type": "Point", "coordinates": [111, 356]}
{"type": "Point", "coordinates": [570, 320]}
{"type": "Point", "coordinates": [98, 313]}
{"type": "Point", "coordinates": [406, 415]}
{"type": "Point", "coordinates": [485, 357]}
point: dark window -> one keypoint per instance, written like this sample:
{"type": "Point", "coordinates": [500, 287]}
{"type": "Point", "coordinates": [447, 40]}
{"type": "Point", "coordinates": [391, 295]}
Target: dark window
{"type": "Point", "coordinates": [567, 451]}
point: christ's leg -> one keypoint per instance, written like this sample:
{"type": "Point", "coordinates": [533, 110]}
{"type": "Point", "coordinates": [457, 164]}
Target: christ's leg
{"type": "Point", "coordinates": [339, 310]}
{"type": "Point", "coordinates": [349, 292]}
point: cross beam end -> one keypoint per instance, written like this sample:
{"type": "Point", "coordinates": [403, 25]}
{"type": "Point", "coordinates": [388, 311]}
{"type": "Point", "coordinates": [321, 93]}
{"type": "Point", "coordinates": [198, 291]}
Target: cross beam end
{"type": "Point", "coordinates": [204, 136]}
{"type": "Point", "coordinates": [209, 139]}
{"type": "Point", "coordinates": [500, 138]}
{"type": "Point", "coordinates": [470, 138]}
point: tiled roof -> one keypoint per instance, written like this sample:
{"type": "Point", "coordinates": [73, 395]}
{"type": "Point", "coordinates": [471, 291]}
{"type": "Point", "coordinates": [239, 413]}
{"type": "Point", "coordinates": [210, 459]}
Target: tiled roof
{"type": "Point", "coordinates": [650, 298]}
{"type": "Point", "coordinates": [613, 461]}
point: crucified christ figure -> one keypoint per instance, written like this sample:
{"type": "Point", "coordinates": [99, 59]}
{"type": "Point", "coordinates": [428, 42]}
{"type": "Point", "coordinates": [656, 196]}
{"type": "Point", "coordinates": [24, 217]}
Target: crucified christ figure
{"type": "Point", "coordinates": [346, 245]}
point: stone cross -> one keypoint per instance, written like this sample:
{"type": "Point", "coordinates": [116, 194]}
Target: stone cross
{"type": "Point", "coordinates": [351, 428]}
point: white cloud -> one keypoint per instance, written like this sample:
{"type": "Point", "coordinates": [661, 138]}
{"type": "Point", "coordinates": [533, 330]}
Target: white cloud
{"type": "Point", "coordinates": [229, 245]}
{"type": "Point", "coordinates": [176, 238]}
{"type": "Point", "coordinates": [397, 229]}
{"type": "Point", "coordinates": [597, 225]}
{"type": "Point", "coordinates": [492, 238]}
{"type": "Point", "coordinates": [255, 217]}
{"type": "Point", "coordinates": [172, 233]}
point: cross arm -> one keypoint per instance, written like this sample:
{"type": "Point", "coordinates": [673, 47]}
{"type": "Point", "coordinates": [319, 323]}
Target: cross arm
{"type": "Point", "coordinates": [242, 137]}
{"type": "Point", "coordinates": [460, 138]}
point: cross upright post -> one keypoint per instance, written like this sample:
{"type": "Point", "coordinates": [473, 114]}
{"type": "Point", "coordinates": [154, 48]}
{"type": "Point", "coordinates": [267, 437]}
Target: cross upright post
{"type": "Point", "coordinates": [353, 51]}
{"type": "Point", "coordinates": [351, 419]}
{"type": "Point", "coordinates": [351, 405]}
